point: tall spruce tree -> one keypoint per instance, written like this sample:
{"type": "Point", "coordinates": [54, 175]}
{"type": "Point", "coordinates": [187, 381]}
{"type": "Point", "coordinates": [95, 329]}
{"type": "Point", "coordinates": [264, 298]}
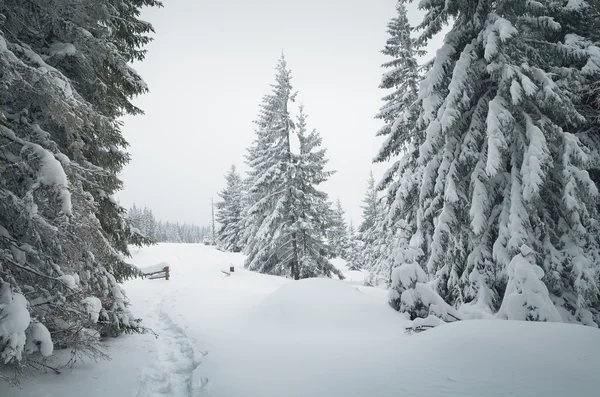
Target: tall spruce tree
{"type": "Point", "coordinates": [506, 215]}
{"type": "Point", "coordinates": [308, 206]}
{"type": "Point", "coordinates": [229, 212]}
{"type": "Point", "coordinates": [64, 82]}
{"type": "Point", "coordinates": [284, 225]}
{"type": "Point", "coordinates": [400, 112]}
{"type": "Point", "coordinates": [270, 162]}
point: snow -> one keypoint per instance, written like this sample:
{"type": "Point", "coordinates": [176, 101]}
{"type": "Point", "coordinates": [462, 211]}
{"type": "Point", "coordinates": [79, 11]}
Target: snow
{"type": "Point", "coordinates": [38, 338]}
{"type": "Point", "coordinates": [526, 295]}
{"type": "Point", "coordinates": [408, 274]}
{"type": "Point", "coordinates": [68, 280]}
{"type": "Point", "coordinates": [317, 309]}
{"type": "Point", "coordinates": [51, 173]}
{"type": "Point", "coordinates": [93, 306]}
{"type": "Point", "coordinates": [154, 268]}
{"type": "Point", "coordinates": [354, 277]}
{"type": "Point", "coordinates": [15, 319]}
{"type": "Point", "coordinates": [498, 118]}
{"type": "Point", "coordinates": [58, 48]}
{"type": "Point", "coordinates": [250, 334]}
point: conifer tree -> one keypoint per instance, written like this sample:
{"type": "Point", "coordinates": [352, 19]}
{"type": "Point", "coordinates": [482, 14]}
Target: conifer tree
{"type": "Point", "coordinates": [229, 213]}
{"type": "Point", "coordinates": [505, 201]}
{"type": "Point", "coordinates": [337, 232]}
{"type": "Point", "coordinates": [308, 204]}
{"type": "Point", "coordinates": [369, 206]}
{"type": "Point", "coordinates": [284, 221]}
{"type": "Point", "coordinates": [270, 162]}
{"type": "Point", "coordinates": [355, 250]}
{"type": "Point", "coordinates": [370, 230]}
{"type": "Point", "coordinates": [399, 113]}
{"type": "Point", "coordinates": [64, 82]}
{"type": "Point", "coordinates": [379, 252]}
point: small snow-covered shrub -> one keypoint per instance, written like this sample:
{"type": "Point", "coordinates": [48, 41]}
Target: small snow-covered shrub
{"type": "Point", "coordinates": [526, 297]}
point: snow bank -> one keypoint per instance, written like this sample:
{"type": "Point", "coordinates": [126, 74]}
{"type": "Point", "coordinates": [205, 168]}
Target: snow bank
{"type": "Point", "coordinates": [323, 307]}
{"type": "Point", "coordinates": [270, 337]}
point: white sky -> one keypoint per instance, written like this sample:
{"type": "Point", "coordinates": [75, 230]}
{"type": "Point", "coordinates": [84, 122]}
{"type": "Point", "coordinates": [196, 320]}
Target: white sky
{"type": "Point", "coordinates": [208, 68]}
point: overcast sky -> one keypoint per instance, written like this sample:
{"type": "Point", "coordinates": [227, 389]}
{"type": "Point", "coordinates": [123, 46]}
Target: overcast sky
{"type": "Point", "coordinates": [208, 67]}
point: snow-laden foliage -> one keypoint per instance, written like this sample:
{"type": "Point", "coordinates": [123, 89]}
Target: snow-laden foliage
{"type": "Point", "coordinates": [503, 155]}
{"type": "Point", "coordinates": [286, 219]}
{"type": "Point", "coordinates": [64, 81]}
{"type": "Point", "coordinates": [410, 292]}
{"type": "Point", "coordinates": [229, 213]}
{"type": "Point", "coordinates": [526, 296]}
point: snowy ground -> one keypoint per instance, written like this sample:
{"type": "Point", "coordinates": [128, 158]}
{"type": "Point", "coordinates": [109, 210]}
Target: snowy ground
{"type": "Point", "coordinates": [253, 335]}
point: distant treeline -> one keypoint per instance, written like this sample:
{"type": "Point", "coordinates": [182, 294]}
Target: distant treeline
{"type": "Point", "coordinates": [166, 232]}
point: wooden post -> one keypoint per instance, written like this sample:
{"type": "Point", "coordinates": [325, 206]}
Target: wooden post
{"type": "Point", "coordinates": [166, 269]}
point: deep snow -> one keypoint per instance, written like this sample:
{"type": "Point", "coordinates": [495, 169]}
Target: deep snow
{"type": "Point", "coordinates": [256, 335]}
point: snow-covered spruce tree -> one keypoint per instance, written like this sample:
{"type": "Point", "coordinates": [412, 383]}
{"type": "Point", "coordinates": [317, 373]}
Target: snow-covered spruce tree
{"type": "Point", "coordinates": [401, 107]}
{"type": "Point", "coordinates": [270, 162]}
{"type": "Point", "coordinates": [337, 233]}
{"type": "Point", "coordinates": [411, 293]}
{"type": "Point", "coordinates": [370, 230]}
{"type": "Point", "coordinates": [400, 112]}
{"type": "Point", "coordinates": [277, 238]}
{"type": "Point", "coordinates": [309, 204]}
{"type": "Point", "coordinates": [229, 212]}
{"type": "Point", "coordinates": [64, 81]}
{"type": "Point", "coordinates": [369, 206]}
{"type": "Point", "coordinates": [505, 159]}
{"type": "Point", "coordinates": [380, 251]}
{"type": "Point", "coordinates": [355, 248]}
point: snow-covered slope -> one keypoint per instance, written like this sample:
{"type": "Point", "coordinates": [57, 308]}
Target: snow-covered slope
{"type": "Point", "coordinates": [254, 335]}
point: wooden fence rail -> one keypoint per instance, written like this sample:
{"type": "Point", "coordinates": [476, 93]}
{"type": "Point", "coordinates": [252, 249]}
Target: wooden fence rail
{"type": "Point", "coordinates": [164, 273]}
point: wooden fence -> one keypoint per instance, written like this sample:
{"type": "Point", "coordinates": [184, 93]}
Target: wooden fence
{"type": "Point", "coordinates": [164, 273]}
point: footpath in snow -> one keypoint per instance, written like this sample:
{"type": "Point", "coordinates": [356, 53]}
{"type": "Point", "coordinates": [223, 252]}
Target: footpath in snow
{"type": "Point", "coordinates": [252, 335]}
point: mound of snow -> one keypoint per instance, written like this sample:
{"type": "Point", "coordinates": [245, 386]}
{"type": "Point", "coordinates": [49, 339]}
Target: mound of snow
{"type": "Point", "coordinates": [499, 358]}
{"type": "Point", "coordinates": [14, 320]}
{"type": "Point", "coordinates": [321, 306]}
